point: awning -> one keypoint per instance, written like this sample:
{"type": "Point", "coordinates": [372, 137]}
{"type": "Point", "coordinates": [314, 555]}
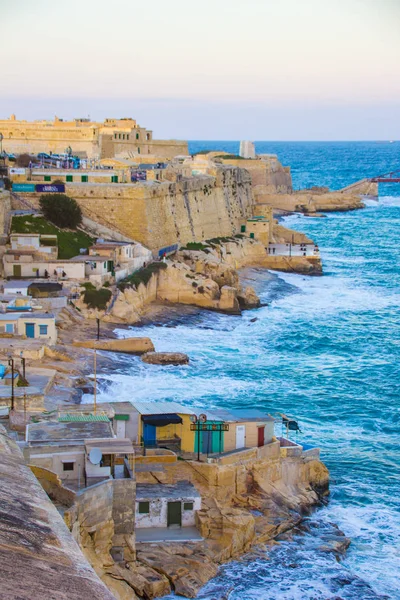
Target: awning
{"type": "Point", "coordinates": [161, 420]}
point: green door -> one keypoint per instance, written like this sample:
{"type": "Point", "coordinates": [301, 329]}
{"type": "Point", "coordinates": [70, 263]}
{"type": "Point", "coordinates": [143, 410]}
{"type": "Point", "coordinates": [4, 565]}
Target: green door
{"type": "Point", "coordinates": [174, 515]}
{"type": "Point", "coordinates": [17, 270]}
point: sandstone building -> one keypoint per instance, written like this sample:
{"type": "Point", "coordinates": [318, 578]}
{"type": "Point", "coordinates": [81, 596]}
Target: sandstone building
{"type": "Point", "coordinates": [85, 138]}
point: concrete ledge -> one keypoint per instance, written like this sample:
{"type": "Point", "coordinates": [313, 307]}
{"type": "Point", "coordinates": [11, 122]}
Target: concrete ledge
{"type": "Point", "coordinates": [133, 345]}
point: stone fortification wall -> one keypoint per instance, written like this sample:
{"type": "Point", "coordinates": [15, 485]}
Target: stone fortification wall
{"type": "Point", "coordinates": [267, 174]}
{"type": "Point", "coordinates": [39, 557]}
{"type": "Point", "coordinates": [159, 215]}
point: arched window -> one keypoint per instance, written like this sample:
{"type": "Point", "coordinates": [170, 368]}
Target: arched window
{"type": "Point", "coordinates": [137, 136]}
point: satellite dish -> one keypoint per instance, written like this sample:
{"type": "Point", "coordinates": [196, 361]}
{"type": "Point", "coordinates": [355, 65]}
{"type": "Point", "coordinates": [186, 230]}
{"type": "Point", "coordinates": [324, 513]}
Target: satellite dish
{"type": "Point", "coordinates": [203, 418]}
{"type": "Point", "coordinates": [95, 456]}
{"type": "Point", "coordinates": [193, 419]}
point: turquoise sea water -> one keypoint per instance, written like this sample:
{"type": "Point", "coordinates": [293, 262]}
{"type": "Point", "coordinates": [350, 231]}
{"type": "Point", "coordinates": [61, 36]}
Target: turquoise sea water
{"type": "Point", "coordinates": [325, 350]}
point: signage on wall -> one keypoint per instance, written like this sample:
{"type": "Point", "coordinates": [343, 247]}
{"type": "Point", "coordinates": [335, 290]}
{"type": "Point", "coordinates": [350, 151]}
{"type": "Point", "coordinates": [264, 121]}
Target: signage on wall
{"type": "Point", "coordinates": [17, 171]}
{"type": "Point", "coordinates": [23, 187]}
{"type": "Point", "coordinates": [55, 188]}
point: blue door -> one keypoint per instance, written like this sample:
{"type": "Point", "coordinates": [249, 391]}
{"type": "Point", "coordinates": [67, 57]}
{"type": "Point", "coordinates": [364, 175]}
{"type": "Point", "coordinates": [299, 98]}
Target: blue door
{"type": "Point", "coordinates": [149, 434]}
{"type": "Point", "coordinates": [30, 330]}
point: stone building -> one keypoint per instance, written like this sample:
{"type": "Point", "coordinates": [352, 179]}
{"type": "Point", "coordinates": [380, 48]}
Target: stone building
{"type": "Point", "coordinates": [161, 505]}
{"type": "Point", "coordinates": [85, 138]}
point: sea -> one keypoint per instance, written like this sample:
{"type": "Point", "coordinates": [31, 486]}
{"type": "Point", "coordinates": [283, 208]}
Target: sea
{"type": "Point", "coordinates": [324, 350]}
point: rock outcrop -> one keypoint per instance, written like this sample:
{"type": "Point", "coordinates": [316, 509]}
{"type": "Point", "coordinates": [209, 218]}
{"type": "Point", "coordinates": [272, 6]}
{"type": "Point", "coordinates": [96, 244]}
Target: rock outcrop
{"type": "Point", "coordinates": [165, 358]}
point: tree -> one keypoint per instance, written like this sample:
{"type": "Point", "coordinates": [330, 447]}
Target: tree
{"type": "Point", "coordinates": [24, 160]}
{"type": "Point", "coordinates": [61, 210]}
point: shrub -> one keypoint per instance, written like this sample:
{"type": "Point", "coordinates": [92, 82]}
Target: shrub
{"type": "Point", "coordinates": [61, 210]}
{"type": "Point", "coordinates": [88, 285]}
{"type": "Point", "coordinates": [194, 246]}
{"type": "Point", "coordinates": [141, 276]}
{"type": "Point", "coordinates": [106, 284]}
{"type": "Point", "coordinates": [97, 298]}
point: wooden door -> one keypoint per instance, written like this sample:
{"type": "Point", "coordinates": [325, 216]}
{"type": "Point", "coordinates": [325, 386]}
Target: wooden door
{"type": "Point", "coordinates": [260, 436]}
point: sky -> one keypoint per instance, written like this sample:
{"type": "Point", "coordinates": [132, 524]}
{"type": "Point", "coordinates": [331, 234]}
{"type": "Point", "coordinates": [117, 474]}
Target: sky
{"type": "Point", "coordinates": [215, 69]}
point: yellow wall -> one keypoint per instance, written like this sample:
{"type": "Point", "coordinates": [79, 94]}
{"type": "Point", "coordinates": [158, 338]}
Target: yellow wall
{"type": "Point", "coordinates": [168, 431]}
{"type": "Point", "coordinates": [92, 139]}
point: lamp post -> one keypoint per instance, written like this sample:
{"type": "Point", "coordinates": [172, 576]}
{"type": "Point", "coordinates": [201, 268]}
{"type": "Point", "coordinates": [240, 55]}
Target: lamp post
{"type": "Point", "coordinates": [11, 364]}
{"type": "Point", "coordinates": [197, 422]}
{"type": "Point", "coordinates": [98, 328]}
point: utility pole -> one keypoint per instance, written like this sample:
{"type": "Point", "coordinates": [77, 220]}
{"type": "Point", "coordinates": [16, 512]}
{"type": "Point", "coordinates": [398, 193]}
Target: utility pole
{"type": "Point", "coordinates": [11, 364]}
{"type": "Point", "coordinates": [23, 364]}
{"type": "Point", "coordinates": [95, 382]}
{"type": "Point", "coordinates": [98, 328]}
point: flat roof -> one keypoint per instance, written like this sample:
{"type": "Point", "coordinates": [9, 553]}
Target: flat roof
{"type": "Point", "coordinates": [110, 446]}
{"type": "Point", "coordinates": [16, 284]}
{"type": "Point", "coordinates": [37, 316]}
{"type": "Point", "coordinates": [51, 431]}
{"type": "Point", "coordinates": [149, 491]}
{"type": "Point", "coordinates": [161, 408]}
{"type": "Point", "coordinates": [236, 415]}
{"type": "Point", "coordinates": [88, 258]}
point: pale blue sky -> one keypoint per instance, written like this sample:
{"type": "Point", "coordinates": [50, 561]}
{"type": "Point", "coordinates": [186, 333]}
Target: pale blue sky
{"type": "Point", "coordinates": [215, 69]}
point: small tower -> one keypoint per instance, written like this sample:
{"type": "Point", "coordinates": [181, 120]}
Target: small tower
{"type": "Point", "coordinates": [247, 150]}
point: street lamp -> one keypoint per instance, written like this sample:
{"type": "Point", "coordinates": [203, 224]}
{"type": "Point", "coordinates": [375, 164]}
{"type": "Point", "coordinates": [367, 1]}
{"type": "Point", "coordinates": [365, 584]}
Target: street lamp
{"type": "Point", "coordinates": [23, 364]}
{"type": "Point", "coordinates": [197, 422]}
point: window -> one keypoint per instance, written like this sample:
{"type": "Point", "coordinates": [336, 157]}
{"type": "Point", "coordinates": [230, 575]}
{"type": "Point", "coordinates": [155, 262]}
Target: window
{"type": "Point", "coordinates": [9, 328]}
{"type": "Point", "coordinates": [138, 150]}
{"type": "Point", "coordinates": [69, 178]}
{"type": "Point", "coordinates": [137, 136]}
{"type": "Point", "coordinates": [119, 136]}
{"type": "Point", "coordinates": [43, 329]}
{"type": "Point", "coordinates": [47, 177]}
{"type": "Point", "coordinates": [84, 178]}
{"type": "Point", "coordinates": [144, 508]}
{"type": "Point", "coordinates": [68, 466]}
{"type": "Point", "coordinates": [147, 136]}
{"type": "Point", "coordinates": [127, 136]}
{"type": "Point", "coordinates": [188, 506]}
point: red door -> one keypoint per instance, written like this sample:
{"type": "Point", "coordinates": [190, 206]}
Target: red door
{"type": "Point", "coordinates": [260, 436]}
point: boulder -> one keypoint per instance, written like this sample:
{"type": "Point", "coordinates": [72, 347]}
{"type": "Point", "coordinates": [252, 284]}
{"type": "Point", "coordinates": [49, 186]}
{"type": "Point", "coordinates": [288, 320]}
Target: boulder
{"type": "Point", "coordinates": [165, 358]}
{"type": "Point", "coordinates": [248, 298]}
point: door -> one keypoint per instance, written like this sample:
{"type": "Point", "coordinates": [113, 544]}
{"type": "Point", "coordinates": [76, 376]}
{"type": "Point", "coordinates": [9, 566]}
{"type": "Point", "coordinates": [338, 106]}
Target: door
{"type": "Point", "coordinates": [30, 330]}
{"type": "Point", "coordinates": [120, 433]}
{"type": "Point", "coordinates": [174, 514]}
{"type": "Point", "coordinates": [149, 434]}
{"type": "Point", "coordinates": [17, 271]}
{"type": "Point", "coordinates": [260, 437]}
{"type": "Point", "coordinates": [206, 442]}
{"type": "Point", "coordinates": [240, 436]}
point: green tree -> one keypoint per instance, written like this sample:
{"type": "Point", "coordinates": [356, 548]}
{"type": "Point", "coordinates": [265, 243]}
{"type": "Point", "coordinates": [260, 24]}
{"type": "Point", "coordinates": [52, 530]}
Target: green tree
{"type": "Point", "coordinates": [61, 210]}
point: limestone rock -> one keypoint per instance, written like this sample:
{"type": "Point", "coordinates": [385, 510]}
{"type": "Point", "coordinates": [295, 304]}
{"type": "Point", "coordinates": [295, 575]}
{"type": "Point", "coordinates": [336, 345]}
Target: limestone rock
{"type": "Point", "coordinates": [249, 298]}
{"type": "Point", "coordinates": [165, 358]}
{"type": "Point", "coordinates": [186, 566]}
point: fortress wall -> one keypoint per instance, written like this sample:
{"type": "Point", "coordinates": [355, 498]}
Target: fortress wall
{"type": "Point", "coordinates": [160, 215]}
{"type": "Point", "coordinates": [39, 557]}
{"type": "Point", "coordinates": [267, 173]}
